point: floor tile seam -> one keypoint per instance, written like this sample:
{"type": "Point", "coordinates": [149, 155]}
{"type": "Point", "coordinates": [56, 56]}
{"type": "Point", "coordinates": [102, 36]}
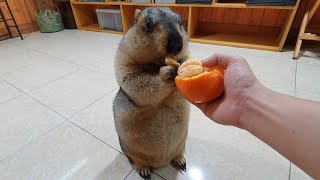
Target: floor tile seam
{"type": "Point", "coordinates": [92, 103]}
{"type": "Point", "coordinates": [66, 75]}
{"type": "Point", "coordinates": [56, 57]}
{"type": "Point", "coordinates": [77, 70]}
{"type": "Point", "coordinates": [278, 84]}
{"type": "Point", "coordinates": [13, 98]}
{"type": "Point", "coordinates": [78, 66]}
{"type": "Point", "coordinates": [96, 70]}
{"type": "Point", "coordinates": [290, 166]}
{"type": "Point", "coordinates": [94, 136]}
{"type": "Point", "coordinates": [11, 85]}
{"type": "Point", "coordinates": [15, 70]}
{"type": "Point", "coordinates": [17, 38]}
{"type": "Point", "coordinates": [128, 174]}
{"type": "Point", "coordinates": [52, 81]}
{"type": "Point", "coordinates": [12, 154]}
{"type": "Point", "coordinates": [309, 91]}
{"type": "Point", "coordinates": [295, 79]}
{"type": "Point", "coordinates": [311, 57]}
{"type": "Point", "coordinates": [278, 56]}
{"type": "Point", "coordinates": [132, 171]}
{"type": "Point", "coordinates": [47, 107]}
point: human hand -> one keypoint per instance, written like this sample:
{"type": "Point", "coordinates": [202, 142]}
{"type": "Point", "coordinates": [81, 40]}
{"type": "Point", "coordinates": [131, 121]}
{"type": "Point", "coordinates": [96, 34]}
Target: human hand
{"type": "Point", "coordinates": [239, 83]}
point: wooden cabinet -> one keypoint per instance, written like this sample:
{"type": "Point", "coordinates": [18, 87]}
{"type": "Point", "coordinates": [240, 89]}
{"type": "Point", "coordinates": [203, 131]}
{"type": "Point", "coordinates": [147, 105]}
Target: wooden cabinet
{"type": "Point", "coordinates": [224, 22]}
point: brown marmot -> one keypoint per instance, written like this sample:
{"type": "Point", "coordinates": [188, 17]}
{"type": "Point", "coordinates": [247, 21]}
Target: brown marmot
{"type": "Point", "coordinates": [151, 117]}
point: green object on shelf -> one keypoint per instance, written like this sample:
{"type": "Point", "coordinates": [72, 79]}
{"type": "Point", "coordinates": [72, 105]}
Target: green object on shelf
{"type": "Point", "coordinates": [49, 21]}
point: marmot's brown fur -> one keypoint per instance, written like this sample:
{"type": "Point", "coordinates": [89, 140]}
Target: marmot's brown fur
{"type": "Point", "coordinates": [150, 115]}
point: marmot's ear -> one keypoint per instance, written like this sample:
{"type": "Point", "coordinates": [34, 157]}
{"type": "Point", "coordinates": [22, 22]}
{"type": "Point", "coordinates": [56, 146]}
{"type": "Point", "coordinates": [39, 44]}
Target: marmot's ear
{"type": "Point", "coordinates": [136, 14]}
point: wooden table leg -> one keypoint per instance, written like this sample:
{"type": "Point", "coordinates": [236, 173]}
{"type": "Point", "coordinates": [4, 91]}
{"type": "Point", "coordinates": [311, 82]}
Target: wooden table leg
{"type": "Point", "coordinates": [299, 40]}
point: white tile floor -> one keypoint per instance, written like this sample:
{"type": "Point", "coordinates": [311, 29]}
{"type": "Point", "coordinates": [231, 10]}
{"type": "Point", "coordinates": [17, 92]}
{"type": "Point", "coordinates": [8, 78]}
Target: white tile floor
{"type": "Point", "coordinates": [56, 93]}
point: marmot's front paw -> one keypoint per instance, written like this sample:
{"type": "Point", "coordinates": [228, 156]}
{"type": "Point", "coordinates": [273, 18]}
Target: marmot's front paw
{"type": "Point", "coordinates": [167, 75]}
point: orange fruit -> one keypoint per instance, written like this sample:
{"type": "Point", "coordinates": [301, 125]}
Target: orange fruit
{"type": "Point", "coordinates": [199, 84]}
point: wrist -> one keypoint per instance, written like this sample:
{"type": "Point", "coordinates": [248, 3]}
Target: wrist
{"type": "Point", "coordinates": [254, 96]}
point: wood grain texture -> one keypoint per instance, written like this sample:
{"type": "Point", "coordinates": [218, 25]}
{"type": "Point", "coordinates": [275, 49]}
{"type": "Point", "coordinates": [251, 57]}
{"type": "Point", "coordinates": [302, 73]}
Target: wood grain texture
{"type": "Point", "coordinates": [218, 15]}
{"type": "Point", "coordinates": [24, 12]}
{"type": "Point", "coordinates": [304, 6]}
{"type": "Point", "coordinates": [270, 17]}
{"type": "Point", "coordinates": [230, 16]}
{"type": "Point", "coordinates": [244, 16]}
{"type": "Point", "coordinates": [283, 15]}
{"type": "Point", "coordinates": [256, 16]}
{"type": "Point", "coordinates": [313, 26]}
{"type": "Point", "coordinates": [205, 14]}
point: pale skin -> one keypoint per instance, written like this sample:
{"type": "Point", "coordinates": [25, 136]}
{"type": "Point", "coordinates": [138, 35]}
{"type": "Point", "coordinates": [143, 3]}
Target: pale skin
{"type": "Point", "coordinates": [289, 125]}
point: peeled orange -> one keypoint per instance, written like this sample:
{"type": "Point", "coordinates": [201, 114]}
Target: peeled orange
{"type": "Point", "coordinates": [199, 84]}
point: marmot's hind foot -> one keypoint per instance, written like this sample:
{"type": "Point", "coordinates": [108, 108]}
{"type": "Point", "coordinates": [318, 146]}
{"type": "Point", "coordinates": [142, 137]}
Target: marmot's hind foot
{"type": "Point", "coordinates": [179, 163]}
{"type": "Point", "coordinates": [145, 173]}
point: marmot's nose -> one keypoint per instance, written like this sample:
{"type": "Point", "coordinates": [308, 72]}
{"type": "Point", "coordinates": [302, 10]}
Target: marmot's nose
{"type": "Point", "coordinates": [175, 42]}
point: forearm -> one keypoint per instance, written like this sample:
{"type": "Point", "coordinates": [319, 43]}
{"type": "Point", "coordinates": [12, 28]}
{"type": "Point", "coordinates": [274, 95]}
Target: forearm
{"type": "Point", "coordinates": [289, 125]}
{"type": "Point", "coordinates": [145, 89]}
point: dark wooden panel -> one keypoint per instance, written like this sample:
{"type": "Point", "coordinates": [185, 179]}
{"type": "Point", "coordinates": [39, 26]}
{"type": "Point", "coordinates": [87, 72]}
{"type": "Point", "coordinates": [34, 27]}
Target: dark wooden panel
{"type": "Point", "coordinates": [256, 16]}
{"type": "Point", "coordinates": [206, 14]}
{"type": "Point", "coordinates": [230, 16]}
{"type": "Point", "coordinates": [270, 17]}
{"type": "Point", "coordinates": [24, 12]}
{"type": "Point", "coordinates": [218, 15]}
{"type": "Point", "coordinates": [209, 28]}
{"type": "Point", "coordinates": [244, 16]}
{"type": "Point", "coordinates": [282, 18]}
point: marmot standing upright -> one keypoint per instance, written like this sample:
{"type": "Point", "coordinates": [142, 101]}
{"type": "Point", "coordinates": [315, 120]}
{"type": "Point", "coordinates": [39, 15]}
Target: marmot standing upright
{"type": "Point", "coordinates": [151, 117]}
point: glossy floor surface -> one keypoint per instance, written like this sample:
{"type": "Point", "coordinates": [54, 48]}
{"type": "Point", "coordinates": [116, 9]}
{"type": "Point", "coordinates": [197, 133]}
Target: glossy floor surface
{"type": "Point", "coordinates": [56, 93]}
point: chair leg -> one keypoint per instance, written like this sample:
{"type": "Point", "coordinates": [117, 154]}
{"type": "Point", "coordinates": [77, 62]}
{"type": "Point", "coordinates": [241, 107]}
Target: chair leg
{"type": "Point", "coordinates": [297, 49]}
{"type": "Point", "coordinates": [299, 40]}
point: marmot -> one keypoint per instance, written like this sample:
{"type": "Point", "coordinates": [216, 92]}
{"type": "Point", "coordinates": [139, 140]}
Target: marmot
{"type": "Point", "coordinates": [150, 115]}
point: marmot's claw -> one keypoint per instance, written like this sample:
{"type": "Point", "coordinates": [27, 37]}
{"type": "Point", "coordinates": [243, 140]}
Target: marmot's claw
{"type": "Point", "coordinates": [180, 61]}
{"type": "Point", "coordinates": [167, 75]}
{"type": "Point", "coordinates": [180, 164]}
{"type": "Point", "coordinates": [145, 174]}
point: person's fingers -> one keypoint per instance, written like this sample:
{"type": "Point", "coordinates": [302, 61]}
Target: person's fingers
{"type": "Point", "coordinates": [201, 106]}
{"type": "Point", "coordinates": [211, 61]}
{"type": "Point", "coordinates": [209, 108]}
{"type": "Point", "coordinates": [220, 59]}
{"type": "Point", "coordinates": [217, 59]}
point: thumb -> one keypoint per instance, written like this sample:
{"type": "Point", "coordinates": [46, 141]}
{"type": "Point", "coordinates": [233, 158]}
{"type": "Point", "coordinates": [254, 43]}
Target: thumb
{"type": "Point", "coordinates": [201, 106]}
{"type": "Point", "coordinates": [219, 59]}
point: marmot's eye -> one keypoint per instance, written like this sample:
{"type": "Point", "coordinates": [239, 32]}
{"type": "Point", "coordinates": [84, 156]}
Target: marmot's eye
{"type": "Point", "coordinates": [148, 25]}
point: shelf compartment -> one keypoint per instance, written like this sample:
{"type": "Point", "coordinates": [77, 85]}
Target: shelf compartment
{"type": "Point", "coordinates": [236, 40]}
{"type": "Point", "coordinates": [128, 16]}
{"type": "Point", "coordinates": [224, 22]}
{"type": "Point", "coordinates": [96, 28]}
{"type": "Point", "coordinates": [242, 5]}
{"type": "Point", "coordinates": [250, 28]}
{"type": "Point", "coordinates": [86, 17]}
{"type": "Point", "coordinates": [88, 3]}
{"type": "Point", "coordinates": [234, 4]}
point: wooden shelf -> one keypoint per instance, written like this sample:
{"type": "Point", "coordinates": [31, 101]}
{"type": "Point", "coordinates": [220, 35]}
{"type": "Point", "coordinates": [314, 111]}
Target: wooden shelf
{"type": "Point", "coordinates": [224, 22]}
{"type": "Point", "coordinates": [95, 27]}
{"type": "Point", "coordinates": [236, 40]}
{"type": "Point", "coordinates": [242, 5]}
{"type": "Point", "coordinates": [220, 5]}
{"type": "Point", "coordinates": [88, 3]}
